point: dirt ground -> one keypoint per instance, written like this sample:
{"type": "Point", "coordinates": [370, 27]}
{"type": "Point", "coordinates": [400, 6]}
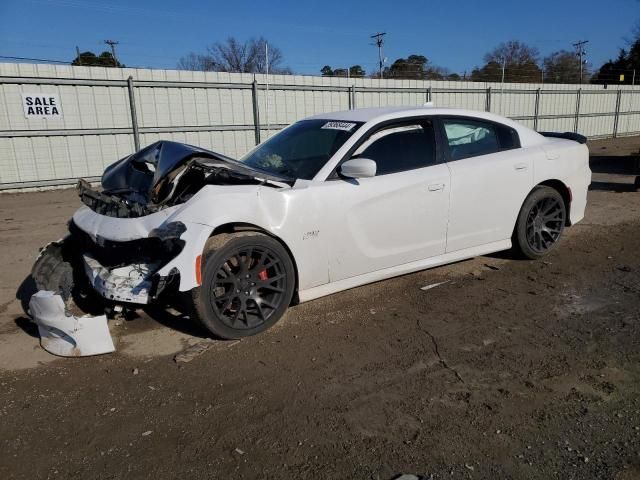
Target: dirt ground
{"type": "Point", "coordinates": [512, 369]}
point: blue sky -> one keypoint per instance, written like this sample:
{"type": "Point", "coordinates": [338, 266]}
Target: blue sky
{"type": "Point", "coordinates": [311, 33]}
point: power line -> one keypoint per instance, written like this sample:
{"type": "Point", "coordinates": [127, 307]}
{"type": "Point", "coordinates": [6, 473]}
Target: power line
{"type": "Point", "coordinates": [379, 39]}
{"type": "Point", "coordinates": [45, 60]}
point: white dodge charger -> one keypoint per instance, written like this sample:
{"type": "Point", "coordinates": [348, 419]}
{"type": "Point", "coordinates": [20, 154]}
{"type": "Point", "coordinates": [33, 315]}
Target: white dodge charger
{"type": "Point", "coordinates": [329, 203]}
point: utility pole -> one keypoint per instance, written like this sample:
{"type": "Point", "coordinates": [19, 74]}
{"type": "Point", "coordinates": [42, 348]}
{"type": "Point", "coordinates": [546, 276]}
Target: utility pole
{"type": "Point", "coordinates": [379, 42]}
{"type": "Point", "coordinates": [581, 52]}
{"type": "Point", "coordinates": [112, 44]}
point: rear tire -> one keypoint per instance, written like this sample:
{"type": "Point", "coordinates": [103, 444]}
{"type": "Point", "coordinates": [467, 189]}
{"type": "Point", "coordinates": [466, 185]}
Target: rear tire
{"type": "Point", "coordinates": [248, 280]}
{"type": "Point", "coordinates": [540, 223]}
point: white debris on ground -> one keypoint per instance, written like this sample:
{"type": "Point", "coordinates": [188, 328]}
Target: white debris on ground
{"type": "Point", "coordinates": [434, 285]}
{"type": "Point", "coordinates": [193, 351]}
{"type": "Point", "coordinates": [66, 335]}
{"type": "Point", "coordinates": [197, 349]}
{"type": "Point", "coordinates": [410, 476]}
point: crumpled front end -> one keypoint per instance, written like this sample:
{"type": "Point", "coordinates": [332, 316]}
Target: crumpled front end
{"type": "Point", "coordinates": [128, 271]}
{"type": "Point", "coordinates": [123, 260]}
{"type": "Point", "coordinates": [134, 261]}
{"type": "Point", "coordinates": [142, 233]}
{"type": "Point", "coordinates": [129, 283]}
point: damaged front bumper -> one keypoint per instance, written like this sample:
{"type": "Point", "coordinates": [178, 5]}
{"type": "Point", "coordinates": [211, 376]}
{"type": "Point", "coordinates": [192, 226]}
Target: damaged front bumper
{"type": "Point", "coordinates": [129, 283]}
{"type": "Point", "coordinates": [132, 270]}
{"type": "Point", "coordinates": [135, 260]}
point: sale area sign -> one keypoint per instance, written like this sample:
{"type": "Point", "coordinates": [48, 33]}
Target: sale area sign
{"type": "Point", "coordinates": [41, 105]}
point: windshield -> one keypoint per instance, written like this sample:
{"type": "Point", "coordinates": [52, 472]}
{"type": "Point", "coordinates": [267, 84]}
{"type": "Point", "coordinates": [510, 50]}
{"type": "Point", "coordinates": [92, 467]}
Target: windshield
{"type": "Point", "coordinates": [301, 150]}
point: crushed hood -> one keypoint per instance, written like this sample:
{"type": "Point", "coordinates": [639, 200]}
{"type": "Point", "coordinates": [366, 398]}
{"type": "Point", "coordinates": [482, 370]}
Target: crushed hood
{"type": "Point", "coordinates": [144, 171]}
{"type": "Point", "coordinates": [166, 173]}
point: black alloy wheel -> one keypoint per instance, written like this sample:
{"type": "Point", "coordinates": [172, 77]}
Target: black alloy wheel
{"type": "Point", "coordinates": [545, 223]}
{"type": "Point", "coordinates": [540, 223]}
{"type": "Point", "coordinates": [249, 287]}
{"type": "Point", "coordinates": [248, 280]}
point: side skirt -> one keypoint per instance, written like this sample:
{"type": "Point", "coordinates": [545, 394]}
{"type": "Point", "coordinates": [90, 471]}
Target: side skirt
{"type": "Point", "coordinates": [450, 257]}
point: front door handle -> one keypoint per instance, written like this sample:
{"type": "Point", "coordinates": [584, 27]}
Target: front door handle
{"type": "Point", "coordinates": [434, 187]}
{"type": "Point", "coordinates": [520, 166]}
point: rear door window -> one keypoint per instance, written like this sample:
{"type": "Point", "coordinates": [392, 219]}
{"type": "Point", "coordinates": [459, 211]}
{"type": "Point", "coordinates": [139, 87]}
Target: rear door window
{"type": "Point", "coordinates": [471, 138]}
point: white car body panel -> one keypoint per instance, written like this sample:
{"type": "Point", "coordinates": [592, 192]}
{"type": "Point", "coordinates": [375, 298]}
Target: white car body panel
{"type": "Point", "coordinates": [344, 233]}
{"type": "Point", "coordinates": [486, 195]}
{"type": "Point", "coordinates": [568, 162]}
{"type": "Point", "coordinates": [119, 229]}
{"type": "Point", "coordinates": [380, 222]}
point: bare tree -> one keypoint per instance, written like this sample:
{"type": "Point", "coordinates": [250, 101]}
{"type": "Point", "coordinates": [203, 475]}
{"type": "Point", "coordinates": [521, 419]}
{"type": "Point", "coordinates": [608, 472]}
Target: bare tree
{"type": "Point", "coordinates": [518, 61]}
{"type": "Point", "coordinates": [196, 62]}
{"type": "Point", "coordinates": [562, 67]}
{"type": "Point", "coordinates": [235, 56]}
{"type": "Point", "coordinates": [513, 52]}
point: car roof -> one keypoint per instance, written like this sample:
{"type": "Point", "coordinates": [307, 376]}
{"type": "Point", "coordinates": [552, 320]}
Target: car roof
{"type": "Point", "coordinates": [380, 114]}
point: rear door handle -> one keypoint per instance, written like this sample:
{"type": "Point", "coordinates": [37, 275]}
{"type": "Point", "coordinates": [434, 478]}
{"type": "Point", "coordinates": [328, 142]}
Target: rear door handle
{"type": "Point", "coordinates": [520, 166]}
{"type": "Point", "coordinates": [434, 187]}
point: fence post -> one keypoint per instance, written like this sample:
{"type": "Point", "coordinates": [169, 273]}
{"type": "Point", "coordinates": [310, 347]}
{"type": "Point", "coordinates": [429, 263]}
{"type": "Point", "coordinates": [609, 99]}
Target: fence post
{"type": "Point", "coordinates": [487, 102]}
{"type": "Point", "coordinates": [134, 117]}
{"type": "Point", "coordinates": [536, 110]}
{"type": "Point", "coordinates": [350, 92]}
{"type": "Point", "coordinates": [617, 116]}
{"type": "Point", "coordinates": [256, 111]}
{"type": "Point", "coordinates": [577, 119]}
{"type": "Point", "coordinates": [429, 94]}
{"type": "Point", "coordinates": [353, 97]}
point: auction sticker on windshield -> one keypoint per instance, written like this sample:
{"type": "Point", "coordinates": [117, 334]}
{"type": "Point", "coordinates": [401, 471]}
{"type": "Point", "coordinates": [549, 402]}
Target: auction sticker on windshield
{"type": "Point", "coordinates": [346, 126]}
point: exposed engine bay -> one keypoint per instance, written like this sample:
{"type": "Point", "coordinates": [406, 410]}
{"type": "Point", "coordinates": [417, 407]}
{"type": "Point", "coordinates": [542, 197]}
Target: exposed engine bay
{"type": "Point", "coordinates": [162, 175]}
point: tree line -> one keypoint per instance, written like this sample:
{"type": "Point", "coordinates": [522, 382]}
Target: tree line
{"type": "Point", "coordinates": [511, 61]}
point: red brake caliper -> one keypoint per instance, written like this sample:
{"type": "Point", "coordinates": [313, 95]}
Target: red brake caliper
{"type": "Point", "coordinates": [263, 275]}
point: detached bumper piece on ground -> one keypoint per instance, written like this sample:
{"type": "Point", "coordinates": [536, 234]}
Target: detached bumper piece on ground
{"type": "Point", "coordinates": [66, 335]}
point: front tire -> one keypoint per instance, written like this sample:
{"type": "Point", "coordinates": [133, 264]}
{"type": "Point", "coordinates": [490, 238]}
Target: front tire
{"type": "Point", "coordinates": [248, 281]}
{"type": "Point", "coordinates": [540, 223]}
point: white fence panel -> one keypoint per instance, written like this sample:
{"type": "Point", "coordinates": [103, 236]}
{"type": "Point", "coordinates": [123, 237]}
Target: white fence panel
{"type": "Point", "coordinates": [218, 111]}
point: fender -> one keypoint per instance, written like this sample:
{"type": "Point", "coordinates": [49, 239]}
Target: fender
{"type": "Point", "coordinates": [295, 224]}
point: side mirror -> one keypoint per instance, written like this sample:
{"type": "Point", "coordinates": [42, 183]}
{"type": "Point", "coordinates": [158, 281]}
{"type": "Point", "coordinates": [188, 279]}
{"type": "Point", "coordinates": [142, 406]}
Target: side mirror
{"type": "Point", "coordinates": [358, 168]}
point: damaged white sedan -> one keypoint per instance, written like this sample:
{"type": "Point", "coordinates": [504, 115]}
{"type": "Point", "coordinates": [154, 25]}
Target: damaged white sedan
{"type": "Point", "coordinates": [329, 203]}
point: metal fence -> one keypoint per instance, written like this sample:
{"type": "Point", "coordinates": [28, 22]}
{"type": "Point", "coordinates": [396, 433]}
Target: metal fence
{"type": "Point", "coordinates": [105, 118]}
